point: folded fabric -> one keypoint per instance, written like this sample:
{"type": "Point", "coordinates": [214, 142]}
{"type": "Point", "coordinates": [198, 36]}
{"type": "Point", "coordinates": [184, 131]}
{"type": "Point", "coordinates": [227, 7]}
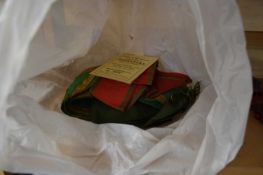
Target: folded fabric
{"type": "Point", "coordinates": [121, 95]}
{"type": "Point", "coordinates": [152, 99]}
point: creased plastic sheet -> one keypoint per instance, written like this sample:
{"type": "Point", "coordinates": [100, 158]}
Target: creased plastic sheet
{"type": "Point", "coordinates": [202, 38]}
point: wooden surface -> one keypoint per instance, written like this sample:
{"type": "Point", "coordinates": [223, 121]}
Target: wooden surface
{"type": "Point", "coordinates": [256, 60]}
{"type": "Point", "coordinates": [254, 39]}
{"type": "Point", "coordinates": [255, 52]}
{"type": "Point", "coordinates": [249, 160]}
{"type": "Point", "coordinates": [252, 14]}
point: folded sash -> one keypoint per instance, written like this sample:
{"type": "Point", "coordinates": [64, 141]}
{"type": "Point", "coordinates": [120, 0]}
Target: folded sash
{"type": "Point", "coordinates": [152, 99]}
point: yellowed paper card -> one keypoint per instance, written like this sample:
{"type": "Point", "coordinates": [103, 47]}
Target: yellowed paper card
{"type": "Point", "coordinates": [124, 68]}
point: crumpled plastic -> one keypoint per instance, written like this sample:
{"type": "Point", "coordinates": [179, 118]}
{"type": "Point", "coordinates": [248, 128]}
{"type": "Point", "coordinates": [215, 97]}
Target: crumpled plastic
{"type": "Point", "coordinates": [45, 44]}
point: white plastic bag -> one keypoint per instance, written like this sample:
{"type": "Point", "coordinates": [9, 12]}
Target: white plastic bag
{"type": "Point", "coordinates": [203, 38]}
